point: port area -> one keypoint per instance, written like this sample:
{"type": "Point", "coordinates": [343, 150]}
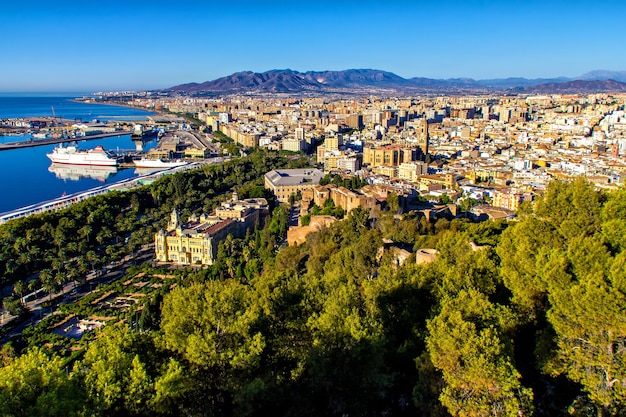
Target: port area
{"type": "Point", "coordinates": [51, 141]}
{"type": "Point", "coordinates": [124, 185]}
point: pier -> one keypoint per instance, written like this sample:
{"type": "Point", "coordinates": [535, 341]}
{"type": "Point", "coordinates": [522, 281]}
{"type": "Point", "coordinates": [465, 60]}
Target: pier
{"type": "Point", "coordinates": [124, 185]}
{"type": "Point", "coordinates": [51, 141]}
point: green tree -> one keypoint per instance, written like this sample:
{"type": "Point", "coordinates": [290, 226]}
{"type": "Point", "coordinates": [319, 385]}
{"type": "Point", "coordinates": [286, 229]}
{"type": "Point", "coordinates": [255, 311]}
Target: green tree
{"type": "Point", "coordinates": [572, 207]}
{"type": "Point", "coordinates": [613, 215]}
{"type": "Point", "coordinates": [526, 250]}
{"type": "Point", "coordinates": [213, 324]}
{"type": "Point", "coordinates": [393, 203]}
{"type": "Point", "coordinates": [170, 388]}
{"type": "Point", "coordinates": [588, 318]}
{"type": "Point", "coordinates": [13, 306]}
{"type": "Point", "coordinates": [36, 384]}
{"type": "Point", "coordinates": [114, 372]}
{"type": "Point", "coordinates": [467, 341]}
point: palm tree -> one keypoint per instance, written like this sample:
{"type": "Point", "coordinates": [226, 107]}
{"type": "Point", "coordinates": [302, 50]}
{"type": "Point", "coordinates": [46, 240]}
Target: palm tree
{"type": "Point", "coordinates": [18, 288]}
{"type": "Point", "coordinates": [48, 282]}
{"type": "Point", "coordinates": [60, 279]}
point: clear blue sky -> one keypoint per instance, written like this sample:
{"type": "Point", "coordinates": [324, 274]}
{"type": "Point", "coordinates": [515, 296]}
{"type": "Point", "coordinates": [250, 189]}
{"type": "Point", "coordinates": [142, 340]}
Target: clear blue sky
{"type": "Point", "coordinates": [117, 45]}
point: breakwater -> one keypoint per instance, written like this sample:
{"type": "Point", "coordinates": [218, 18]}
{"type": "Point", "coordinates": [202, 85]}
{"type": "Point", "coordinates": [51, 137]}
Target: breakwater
{"type": "Point", "coordinates": [51, 141]}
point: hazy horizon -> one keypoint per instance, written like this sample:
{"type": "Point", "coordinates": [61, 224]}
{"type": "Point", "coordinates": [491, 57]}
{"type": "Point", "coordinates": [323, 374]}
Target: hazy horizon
{"type": "Point", "coordinates": [66, 93]}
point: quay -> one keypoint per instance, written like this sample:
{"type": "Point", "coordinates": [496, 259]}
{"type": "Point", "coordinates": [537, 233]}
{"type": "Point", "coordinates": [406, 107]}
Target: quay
{"type": "Point", "coordinates": [51, 141]}
{"type": "Point", "coordinates": [124, 185]}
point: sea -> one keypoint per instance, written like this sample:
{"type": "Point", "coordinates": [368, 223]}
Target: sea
{"type": "Point", "coordinates": [27, 175]}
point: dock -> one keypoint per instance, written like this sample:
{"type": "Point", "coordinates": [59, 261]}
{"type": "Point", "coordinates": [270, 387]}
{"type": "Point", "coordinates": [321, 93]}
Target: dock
{"type": "Point", "coordinates": [124, 185]}
{"type": "Point", "coordinates": [30, 143]}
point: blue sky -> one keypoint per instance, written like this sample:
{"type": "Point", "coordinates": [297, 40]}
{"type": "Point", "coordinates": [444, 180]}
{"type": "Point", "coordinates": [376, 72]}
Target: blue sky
{"type": "Point", "coordinates": [122, 45]}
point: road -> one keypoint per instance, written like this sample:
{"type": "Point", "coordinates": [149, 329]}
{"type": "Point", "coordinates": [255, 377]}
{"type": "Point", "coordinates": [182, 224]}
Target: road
{"type": "Point", "coordinates": [294, 215]}
{"type": "Point", "coordinates": [73, 292]}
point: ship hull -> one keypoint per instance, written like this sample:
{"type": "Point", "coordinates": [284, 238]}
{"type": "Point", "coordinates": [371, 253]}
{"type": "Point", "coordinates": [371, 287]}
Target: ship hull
{"type": "Point", "coordinates": [73, 156]}
{"type": "Point", "coordinates": [83, 161]}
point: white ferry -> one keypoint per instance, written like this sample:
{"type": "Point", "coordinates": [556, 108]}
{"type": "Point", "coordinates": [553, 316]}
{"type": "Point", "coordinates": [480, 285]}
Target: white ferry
{"type": "Point", "coordinates": [72, 155]}
{"type": "Point", "coordinates": [158, 163]}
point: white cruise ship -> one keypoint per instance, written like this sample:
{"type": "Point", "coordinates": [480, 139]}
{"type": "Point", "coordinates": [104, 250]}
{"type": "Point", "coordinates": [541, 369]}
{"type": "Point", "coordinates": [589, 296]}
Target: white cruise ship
{"type": "Point", "coordinates": [72, 155]}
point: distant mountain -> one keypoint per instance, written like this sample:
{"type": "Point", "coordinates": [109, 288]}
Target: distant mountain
{"type": "Point", "coordinates": [371, 80]}
{"type": "Point", "coordinates": [355, 78]}
{"type": "Point", "coordinates": [520, 82]}
{"type": "Point", "coordinates": [602, 75]}
{"type": "Point", "coordinates": [275, 81]}
{"type": "Point", "coordinates": [421, 82]}
{"type": "Point", "coordinates": [289, 81]}
{"type": "Point", "coordinates": [576, 86]}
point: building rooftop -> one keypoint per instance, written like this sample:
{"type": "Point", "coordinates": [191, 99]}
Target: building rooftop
{"type": "Point", "coordinates": [294, 176]}
{"type": "Point", "coordinates": [211, 230]}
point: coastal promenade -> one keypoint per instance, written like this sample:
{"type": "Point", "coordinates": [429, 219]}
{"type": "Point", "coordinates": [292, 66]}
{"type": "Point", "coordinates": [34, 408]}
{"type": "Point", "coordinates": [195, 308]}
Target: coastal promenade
{"type": "Point", "coordinates": [51, 141]}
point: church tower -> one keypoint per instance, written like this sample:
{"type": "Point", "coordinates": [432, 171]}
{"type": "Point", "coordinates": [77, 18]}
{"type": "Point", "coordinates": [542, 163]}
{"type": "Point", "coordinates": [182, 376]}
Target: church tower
{"type": "Point", "coordinates": [422, 136]}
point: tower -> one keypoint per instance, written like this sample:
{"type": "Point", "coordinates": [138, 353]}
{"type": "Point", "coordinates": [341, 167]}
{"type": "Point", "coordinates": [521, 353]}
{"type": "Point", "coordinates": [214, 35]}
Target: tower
{"type": "Point", "coordinates": [422, 136]}
{"type": "Point", "coordinates": [174, 221]}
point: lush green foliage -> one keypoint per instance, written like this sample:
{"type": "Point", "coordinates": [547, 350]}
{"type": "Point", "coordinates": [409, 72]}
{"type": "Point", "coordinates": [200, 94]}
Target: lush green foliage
{"type": "Point", "coordinates": [351, 183]}
{"type": "Point", "coordinates": [329, 209]}
{"type": "Point", "coordinates": [531, 323]}
{"type": "Point", "coordinates": [228, 144]}
{"type": "Point", "coordinates": [64, 246]}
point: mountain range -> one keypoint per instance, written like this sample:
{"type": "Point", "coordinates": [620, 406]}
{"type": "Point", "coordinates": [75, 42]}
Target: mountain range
{"type": "Point", "coordinates": [363, 81]}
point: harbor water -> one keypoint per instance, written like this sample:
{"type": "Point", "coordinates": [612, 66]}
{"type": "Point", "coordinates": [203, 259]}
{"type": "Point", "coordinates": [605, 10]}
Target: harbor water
{"type": "Point", "coordinates": [29, 177]}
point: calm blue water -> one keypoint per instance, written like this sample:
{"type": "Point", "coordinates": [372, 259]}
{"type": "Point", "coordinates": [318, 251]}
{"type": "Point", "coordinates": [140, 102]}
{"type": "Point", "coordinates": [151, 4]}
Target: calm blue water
{"type": "Point", "coordinates": [64, 107]}
{"type": "Point", "coordinates": [26, 176]}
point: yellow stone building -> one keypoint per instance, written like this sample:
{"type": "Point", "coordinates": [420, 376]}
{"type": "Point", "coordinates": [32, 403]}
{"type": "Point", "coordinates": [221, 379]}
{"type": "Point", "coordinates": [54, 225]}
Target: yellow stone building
{"type": "Point", "coordinates": [285, 182]}
{"type": "Point", "coordinates": [196, 242]}
{"type": "Point", "coordinates": [507, 199]}
{"type": "Point", "coordinates": [412, 171]}
{"type": "Point", "coordinates": [446, 180]}
{"type": "Point", "coordinates": [341, 197]}
{"type": "Point", "coordinates": [389, 156]}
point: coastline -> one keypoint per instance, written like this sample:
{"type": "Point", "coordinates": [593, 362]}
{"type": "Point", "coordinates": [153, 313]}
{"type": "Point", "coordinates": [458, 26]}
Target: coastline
{"type": "Point", "coordinates": [27, 169]}
{"type": "Point", "coordinates": [113, 103]}
{"type": "Point", "coordinates": [164, 114]}
{"type": "Point", "coordinates": [17, 106]}
{"type": "Point", "coordinates": [167, 115]}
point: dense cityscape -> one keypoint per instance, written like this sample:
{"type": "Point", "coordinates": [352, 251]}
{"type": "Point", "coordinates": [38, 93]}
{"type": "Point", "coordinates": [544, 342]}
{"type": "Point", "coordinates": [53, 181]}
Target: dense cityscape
{"type": "Point", "coordinates": [436, 255]}
{"type": "Point", "coordinates": [303, 209]}
{"type": "Point", "coordinates": [502, 149]}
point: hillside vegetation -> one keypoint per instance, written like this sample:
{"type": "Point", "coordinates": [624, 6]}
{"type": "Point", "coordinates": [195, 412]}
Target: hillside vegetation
{"type": "Point", "coordinates": [531, 322]}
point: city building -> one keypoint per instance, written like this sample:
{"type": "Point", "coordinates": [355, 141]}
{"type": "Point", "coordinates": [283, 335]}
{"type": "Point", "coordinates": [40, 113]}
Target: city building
{"type": "Point", "coordinates": [347, 163]}
{"type": "Point", "coordinates": [411, 171]}
{"type": "Point", "coordinates": [196, 242]}
{"type": "Point", "coordinates": [355, 121]}
{"type": "Point", "coordinates": [389, 155]}
{"type": "Point", "coordinates": [341, 197]}
{"type": "Point", "coordinates": [423, 138]}
{"type": "Point", "coordinates": [294, 145]}
{"type": "Point", "coordinates": [286, 182]}
{"type": "Point", "coordinates": [333, 143]}
{"type": "Point", "coordinates": [300, 133]}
